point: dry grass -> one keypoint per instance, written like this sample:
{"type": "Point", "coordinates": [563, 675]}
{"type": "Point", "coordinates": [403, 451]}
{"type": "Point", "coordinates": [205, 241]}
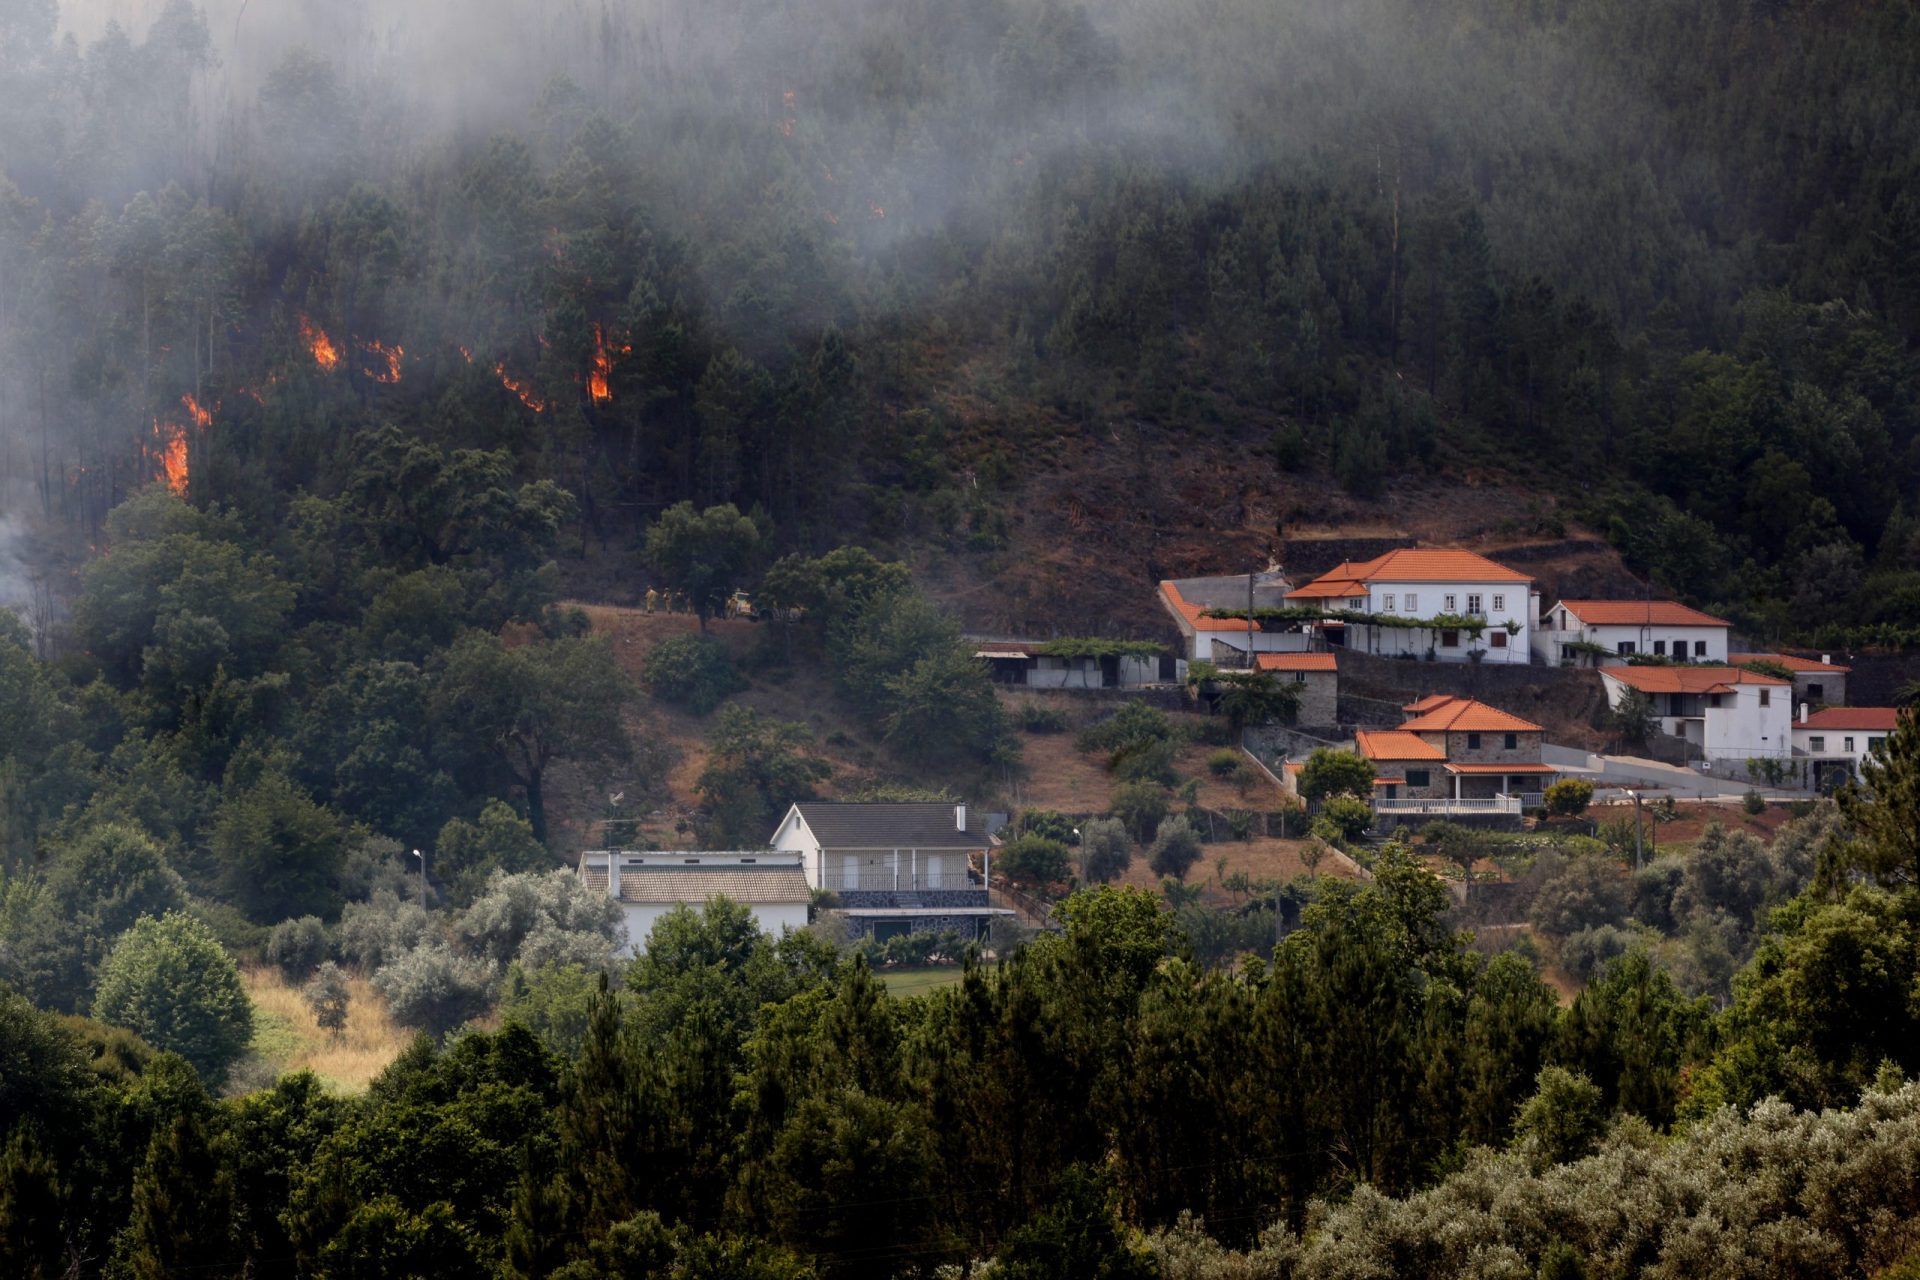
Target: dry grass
{"type": "Point", "coordinates": [286, 1035]}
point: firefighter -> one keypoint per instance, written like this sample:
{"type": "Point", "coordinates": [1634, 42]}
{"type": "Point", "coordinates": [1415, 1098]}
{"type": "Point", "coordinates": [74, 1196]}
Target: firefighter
{"type": "Point", "coordinates": [653, 598]}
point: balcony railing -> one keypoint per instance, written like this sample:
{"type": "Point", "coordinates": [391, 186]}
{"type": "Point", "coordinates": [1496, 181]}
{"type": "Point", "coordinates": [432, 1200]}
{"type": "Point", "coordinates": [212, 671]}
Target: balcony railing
{"type": "Point", "coordinates": [1448, 804]}
{"type": "Point", "coordinates": [883, 879]}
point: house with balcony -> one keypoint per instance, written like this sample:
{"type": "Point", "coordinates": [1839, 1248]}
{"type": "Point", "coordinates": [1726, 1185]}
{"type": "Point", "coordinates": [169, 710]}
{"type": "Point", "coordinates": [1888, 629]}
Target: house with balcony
{"type": "Point", "coordinates": [649, 885]}
{"type": "Point", "coordinates": [1425, 602]}
{"type": "Point", "coordinates": [895, 868]}
{"type": "Point", "coordinates": [1455, 756]}
{"type": "Point", "coordinates": [1817, 682]}
{"type": "Point", "coordinates": [1226, 642]}
{"type": "Point", "coordinates": [1837, 740]}
{"type": "Point", "coordinates": [1725, 713]}
{"type": "Point", "coordinates": [1604, 632]}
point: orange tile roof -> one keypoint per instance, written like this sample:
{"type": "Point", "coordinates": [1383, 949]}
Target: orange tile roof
{"type": "Point", "coordinates": [1639, 613]}
{"type": "Point", "coordinates": [1868, 719]}
{"type": "Point", "coordinates": [1428, 703]}
{"type": "Point", "coordinates": [1392, 744]}
{"type": "Point", "coordinates": [1791, 661]}
{"type": "Point", "coordinates": [1195, 614]}
{"type": "Point", "coordinates": [1466, 715]}
{"type": "Point", "coordinates": [1501, 768]}
{"type": "Point", "coordinates": [1655, 679]}
{"type": "Point", "coordinates": [1408, 564]}
{"type": "Point", "coordinates": [1295, 662]}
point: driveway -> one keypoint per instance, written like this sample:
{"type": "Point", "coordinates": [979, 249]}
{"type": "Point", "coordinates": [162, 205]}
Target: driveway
{"type": "Point", "coordinates": [1620, 773]}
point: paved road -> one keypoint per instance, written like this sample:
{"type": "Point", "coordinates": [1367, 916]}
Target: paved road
{"type": "Point", "coordinates": [1620, 772]}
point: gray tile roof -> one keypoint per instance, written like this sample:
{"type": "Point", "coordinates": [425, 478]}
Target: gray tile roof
{"type": "Point", "coordinates": [892, 826]}
{"type": "Point", "coordinates": [1230, 591]}
{"type": "Point", "coordinates": [749, 885]}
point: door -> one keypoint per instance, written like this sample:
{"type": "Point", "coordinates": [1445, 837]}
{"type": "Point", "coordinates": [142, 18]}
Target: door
{"type": "Point", "coordinates": [1110, 671]}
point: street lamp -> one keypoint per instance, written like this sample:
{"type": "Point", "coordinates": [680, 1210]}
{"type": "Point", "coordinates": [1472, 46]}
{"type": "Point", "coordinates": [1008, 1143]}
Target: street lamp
{"type": "Point", "coordinates": [1083, 856]}
{"type": "Point", "coordinates": [423, 878]}
{"type": "Point", "coordinates": [1635, 797]}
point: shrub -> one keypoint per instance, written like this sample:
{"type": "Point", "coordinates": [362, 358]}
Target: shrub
{"type": "Point", "coordinates": [168, 981]}
{"type": "Point", "coordinates": [327, 996]}
{"type": "Point", "coordinates": [1106, 849]}
{"type": "Point", "coordinates": [693, 672]}
{"type": "Point", "coordinates": [1034, 859]}
{"type": "Point", "coordinates": [1176, 847]}
{"type": "Point", "coordinates": [1569, 797]}
{"type": "Point", "coordinates": [1329, 773]}
{"type": "Point", "coordinates": [1037, 718]}
{"type": "Point", "coordinates": [1147, 760]}
{"type": "Point", "coordinates": [1223, 764]}
{"type": "Point", "coordinates": [1754, 803]}
{"type": "Point", "coordinates": [1349, 813]}
{"type": "Point", "coordinates": [1140, 805]}
{"type": "Point", "coordinates": [296, 946]}
{"type": "Point", "coordinates": [554, 1002]}
{"type": "Point", "coordinates": [381, 929]}
{"type": "Point", "coordinates": [434, 989]}
{"type": "Point", "coordinates": [1214, 733]}
{"type": "Point", "coordinates": [1240, 823]}
{"type": "Point", "coordinates": [1134, 722]}
{"type": "Point", "coordinates": [1050, 823]}
{"type": "Point", "coordinates": [539, 919]}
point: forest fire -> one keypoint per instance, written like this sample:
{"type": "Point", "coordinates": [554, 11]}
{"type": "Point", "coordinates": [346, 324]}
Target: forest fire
{"type": "Point", "coordinates": [172, 453]}
{"type": "Point", "coordinates": [325, 354]}
{"type": "Point", "coordinates": [599, 378]}
{"type": "Point", "coordinates": [383, 355]}
{"type": "Point", "coordinates": [202, 418]}
{"type": "Point", "coordinates": [527, 397]}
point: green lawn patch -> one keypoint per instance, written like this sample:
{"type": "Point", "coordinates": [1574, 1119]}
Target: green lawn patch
{"type": "Point", "coordinates": [918, 980]}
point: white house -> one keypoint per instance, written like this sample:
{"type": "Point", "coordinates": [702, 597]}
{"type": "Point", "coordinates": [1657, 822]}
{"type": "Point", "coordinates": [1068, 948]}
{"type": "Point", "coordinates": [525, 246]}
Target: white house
{"type": "Point", "coordinates": [1837, 739]}
{"type": "Point", "coordinates": [1029, 663]}
{"type": "Point", "coordinates": [1227, 641]}
{"type": "Point", "coordinates": [894, 867]}
{"type": "Point", "coordinates": [649, 885]}
{"type": "Point", "coordinates": [1622, 628]}
{"type": "Point", "coordinates": [1728, 712]}
{"type": "Point", "coordinates": [1417, 585]}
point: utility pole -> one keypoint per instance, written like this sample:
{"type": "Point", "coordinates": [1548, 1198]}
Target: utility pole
{"type": "Point", "coordinates": [1250, 663]}
{"type": "Point", "coordinates": [1636, 829]}
{"type": "Point", "coordinates": [423, 878]}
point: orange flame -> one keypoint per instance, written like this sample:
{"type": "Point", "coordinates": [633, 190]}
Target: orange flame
{"type": "Point", "coordinates": [325, 354]}
{"type": "Point", "coordinates": [172, 453]}
{"type": "Point", "coordinates": [202, 418]}
{"type": "Point", "coordinates": [786, 127]}
{"type": "Point", "coordinates": [390, 356]}
{"type": "Point", "coordinates": [527, 398]}
{"type": "Point", "coordinates": [599, 384]}
{"type": "Point", "coordinates": [875, 211]}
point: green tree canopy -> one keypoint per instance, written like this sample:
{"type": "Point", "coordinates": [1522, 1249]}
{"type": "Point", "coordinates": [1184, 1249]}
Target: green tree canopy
{"type": "Point", "coordinates": [169, 981]}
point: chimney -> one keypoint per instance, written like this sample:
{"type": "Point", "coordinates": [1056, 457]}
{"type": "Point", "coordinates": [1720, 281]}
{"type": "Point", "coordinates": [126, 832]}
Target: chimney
{"type": "Point", "coordinates": [613, 873]}
{"type": "Point", "coordinates": [1826, 659]}
{"type": "Point", "coordinates": [960, 817]}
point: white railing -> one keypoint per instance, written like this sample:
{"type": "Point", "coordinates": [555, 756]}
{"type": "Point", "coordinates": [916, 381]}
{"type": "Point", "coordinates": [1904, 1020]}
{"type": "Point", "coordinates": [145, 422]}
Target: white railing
{"type": "Point", "coordinates": [885, 881]}
{"type": "Point", "coordinates": [1447, 804]}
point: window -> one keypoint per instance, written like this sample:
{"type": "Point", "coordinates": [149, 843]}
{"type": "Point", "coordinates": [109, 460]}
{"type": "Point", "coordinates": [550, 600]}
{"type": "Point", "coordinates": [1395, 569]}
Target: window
{"type": "Point", "coordinates": [1357, 603]}
{"type": "Point", "coordinates": [1449, 639]}
{"type": "Point", "coordinates": [1499, 604]}
{"type": "Point", "coordinates": [1713, 699]}
{"type": "Point", "coordinates": [1446, 604]}
{"type": "Point", "coordinates": [1413, 602]}
{"type": "Point", "coordinates": [1473, 604]}
{"type": "Point", "coordinates": [1873, 744]}
{"type": "Point", "coordinates": [1419, 778]}
{"type": "Point", "coordinates": [1816, 693]}
{"type": "Point", "coordinates": [1846, 744]}
{"type": "Point", "coordinates": [1299, 677]}
{"type": "Point", "coordinates": [1512, 743]}
{"type": "Point", "coordinates": [1473, 742]}
{"type": "Point", "coordinates": [1497, 638]}
{"type": "Point", "coordinates": [1625, 647]}
{"type": "Point", "coordinates": [1816, 743]}
{"type": "Point", "coordinates": [1660, 648]}
{"type": "Point", "coordinates": [1386, 602]}
{"type": "Point", "coordinates": [1699, 648]}
{"type": "Point", "coordinates": [1766, 697]}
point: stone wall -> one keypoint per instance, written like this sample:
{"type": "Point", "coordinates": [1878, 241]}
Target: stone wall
{"type": "Point", "coordinates": [965, 926]}
{"type": "Point", "coordinates": [1566, 701]}
{"type": "Point", "coordinates": [1319, 698]}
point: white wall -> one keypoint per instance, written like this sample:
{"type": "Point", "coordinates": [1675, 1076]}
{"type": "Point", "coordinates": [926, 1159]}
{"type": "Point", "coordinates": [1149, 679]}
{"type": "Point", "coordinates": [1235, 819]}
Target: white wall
{"type": "Point", "coordinates": [1741, 729]}
{"type": "Point", "coordinates": [906, 870]}
{"type": "Point", "coordinates": [1084, 673]}
{"type": "Point", "coordinates": [794, 837]}
{"type": "Point", "coordinates": [1834, 743]}
{"type": "Point", "coordinates": [1430, 601]}
{"type": "Point", "coordinates": [774, 918]}
{"type": "Point", "coordinates": [1551, 637]}
{"type": "Point", "coordinates": [1232, 644]}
